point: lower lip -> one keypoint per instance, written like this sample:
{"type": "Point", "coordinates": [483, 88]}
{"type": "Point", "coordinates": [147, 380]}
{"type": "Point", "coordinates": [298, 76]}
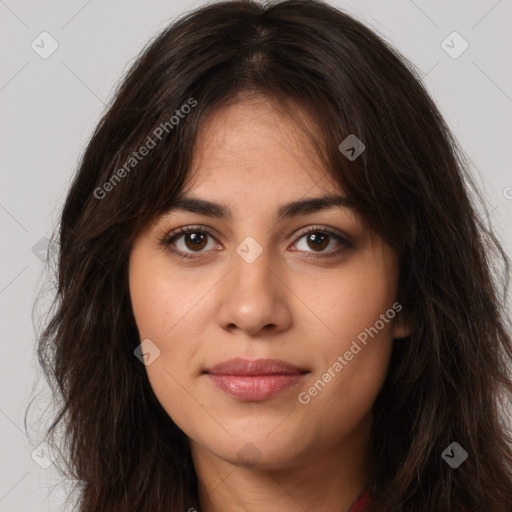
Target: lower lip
{"type": "Point", "coordinates": [254, 387]}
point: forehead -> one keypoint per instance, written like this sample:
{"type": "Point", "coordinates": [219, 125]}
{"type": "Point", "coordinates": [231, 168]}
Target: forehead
{"type": "Point", "coordinates": [252, 160]}
{"type": "Point", "coordinates": [254, 143]}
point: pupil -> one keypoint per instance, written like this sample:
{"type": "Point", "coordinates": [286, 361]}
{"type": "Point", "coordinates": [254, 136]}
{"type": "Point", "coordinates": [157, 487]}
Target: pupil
{"type": "Point", "coordinates": [318, 239]}
{"type": "Point", "coordinates": [197, 239]}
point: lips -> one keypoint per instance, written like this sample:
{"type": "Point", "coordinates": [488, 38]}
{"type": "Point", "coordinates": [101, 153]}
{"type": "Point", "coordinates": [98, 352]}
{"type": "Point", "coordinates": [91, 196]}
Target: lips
{"type": "Point", "coordinates": [254, 380]}
{"type": "Point", "coordinates": [239, 366]}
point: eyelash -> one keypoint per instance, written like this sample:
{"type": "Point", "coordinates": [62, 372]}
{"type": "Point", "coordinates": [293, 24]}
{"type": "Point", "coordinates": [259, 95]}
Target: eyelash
{"type": "Point", "coordinates": [168, 240]}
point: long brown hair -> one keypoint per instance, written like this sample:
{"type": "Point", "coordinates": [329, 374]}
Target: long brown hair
{"type": "Point", "coordinates": [447, 382]}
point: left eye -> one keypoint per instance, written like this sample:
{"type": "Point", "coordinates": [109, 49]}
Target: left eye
{"type": "Point", "coordinates": [320, 240]}
{"type": "Point", "coordinates": [196, 239]}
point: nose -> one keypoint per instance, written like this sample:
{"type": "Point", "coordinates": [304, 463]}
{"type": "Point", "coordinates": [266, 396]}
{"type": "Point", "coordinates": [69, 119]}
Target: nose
{"type": "Point", "coordinates": [254, 297]}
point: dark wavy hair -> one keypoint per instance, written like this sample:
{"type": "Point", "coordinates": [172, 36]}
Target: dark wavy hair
{"type": "Point", "coordinates": [449, 381]}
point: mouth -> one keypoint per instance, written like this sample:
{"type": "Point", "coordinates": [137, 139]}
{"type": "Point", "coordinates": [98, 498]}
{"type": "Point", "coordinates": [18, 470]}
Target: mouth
{"type": "Point", "coordinates": [254, 380]}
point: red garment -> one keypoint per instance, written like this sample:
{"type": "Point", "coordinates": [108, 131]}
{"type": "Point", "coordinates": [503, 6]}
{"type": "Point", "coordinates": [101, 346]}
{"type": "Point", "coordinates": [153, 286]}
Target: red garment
{"type": "Point", "coordinates": [361, 505]}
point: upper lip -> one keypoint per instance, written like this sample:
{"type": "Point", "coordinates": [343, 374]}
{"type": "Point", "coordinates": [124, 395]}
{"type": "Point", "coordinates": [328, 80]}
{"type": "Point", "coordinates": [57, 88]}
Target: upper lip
{"type": "Point", "coordinates": [240, 366]}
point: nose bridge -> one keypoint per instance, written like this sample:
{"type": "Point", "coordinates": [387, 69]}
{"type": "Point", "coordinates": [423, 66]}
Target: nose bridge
{"type": "Point", "coordinates": [252, 271]}
{"type": "Point", "coordinates": [251, 296]}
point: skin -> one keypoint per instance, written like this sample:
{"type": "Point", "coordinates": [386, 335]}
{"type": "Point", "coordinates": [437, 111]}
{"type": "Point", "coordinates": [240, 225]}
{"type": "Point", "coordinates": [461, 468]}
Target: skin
{"type": "Point", "coordinates": [252, 158]}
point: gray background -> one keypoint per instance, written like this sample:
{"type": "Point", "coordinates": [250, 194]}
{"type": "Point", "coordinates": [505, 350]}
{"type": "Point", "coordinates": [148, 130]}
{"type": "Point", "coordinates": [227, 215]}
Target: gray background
{"type": "Point", "coordinates": [50, 106]}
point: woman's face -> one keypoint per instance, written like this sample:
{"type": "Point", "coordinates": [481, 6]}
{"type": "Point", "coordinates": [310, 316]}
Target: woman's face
{"type": "Point", "coordinates": [258, 286]}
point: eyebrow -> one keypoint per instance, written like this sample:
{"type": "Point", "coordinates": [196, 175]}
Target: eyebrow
{"type": "Point", "coordinates": [285, 211]}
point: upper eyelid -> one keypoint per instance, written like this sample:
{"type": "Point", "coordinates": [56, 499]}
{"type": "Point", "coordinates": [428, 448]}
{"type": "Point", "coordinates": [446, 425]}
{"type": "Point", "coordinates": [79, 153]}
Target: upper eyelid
{"type": "Point", "coordinates": [347, 213]}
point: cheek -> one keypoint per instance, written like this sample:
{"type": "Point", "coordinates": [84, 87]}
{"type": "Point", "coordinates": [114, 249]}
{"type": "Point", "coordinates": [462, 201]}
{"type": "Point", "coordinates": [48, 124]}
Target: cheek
{"type": "Point", "coordinates": [357, 308]}
{"type": "Point", "coordinates": [343, 391]}
{"type": "Point", "coordinates": [162, 301]}
{"type": "Point", "coordinates": [166, 312]}
{"type": "Point", "coordinates": [171, 320]}
{"type": "Point", "coordinates": [351, 300]}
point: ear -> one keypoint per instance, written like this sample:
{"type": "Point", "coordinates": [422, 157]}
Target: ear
{"type": "Point", "coordinates": [402, 326]}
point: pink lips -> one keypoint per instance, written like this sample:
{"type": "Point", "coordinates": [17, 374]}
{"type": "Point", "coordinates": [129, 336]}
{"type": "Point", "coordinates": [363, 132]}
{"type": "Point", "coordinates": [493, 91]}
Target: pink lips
{"type": "Point", "coordinates": [256, 379]}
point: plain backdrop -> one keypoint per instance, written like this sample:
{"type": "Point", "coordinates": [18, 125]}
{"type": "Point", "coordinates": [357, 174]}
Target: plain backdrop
{"type": "Point", "coordinates": [49, 107]}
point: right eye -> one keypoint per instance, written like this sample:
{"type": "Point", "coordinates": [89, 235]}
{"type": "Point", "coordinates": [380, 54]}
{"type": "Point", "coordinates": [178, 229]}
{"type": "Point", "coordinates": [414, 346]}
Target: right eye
{"type": "Point", "coordinates": [192, 240]}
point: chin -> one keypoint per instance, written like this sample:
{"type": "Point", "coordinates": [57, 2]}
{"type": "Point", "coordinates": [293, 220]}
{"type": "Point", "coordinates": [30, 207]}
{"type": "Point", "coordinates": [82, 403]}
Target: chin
{"type": "Point", "coordinates": [257, 451]}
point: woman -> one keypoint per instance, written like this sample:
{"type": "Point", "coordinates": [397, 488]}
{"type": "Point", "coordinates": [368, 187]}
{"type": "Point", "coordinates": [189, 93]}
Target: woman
{"type": "Point", "coordinates": [274, 291]}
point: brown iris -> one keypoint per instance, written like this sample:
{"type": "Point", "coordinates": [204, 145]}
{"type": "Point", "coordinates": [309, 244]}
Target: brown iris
{"type": "Point", "coordinates": [197, 240]}
{"type": "Point", "coordinates": [319, 240]}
